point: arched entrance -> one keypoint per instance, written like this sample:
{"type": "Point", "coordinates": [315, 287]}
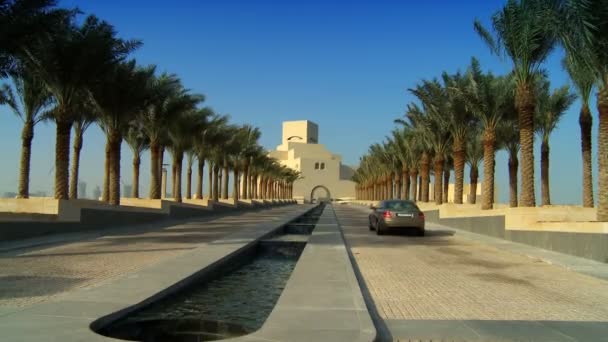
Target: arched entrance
{"type": "Point", "coordinates": [319, 193]}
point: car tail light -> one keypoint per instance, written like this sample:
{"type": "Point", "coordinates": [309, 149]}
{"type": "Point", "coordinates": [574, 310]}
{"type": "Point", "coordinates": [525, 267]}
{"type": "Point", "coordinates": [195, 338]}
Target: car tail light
{"type": "Point", "coordinates": [388, 214]}
{"type": "Point", "coordinates": [421, 215]}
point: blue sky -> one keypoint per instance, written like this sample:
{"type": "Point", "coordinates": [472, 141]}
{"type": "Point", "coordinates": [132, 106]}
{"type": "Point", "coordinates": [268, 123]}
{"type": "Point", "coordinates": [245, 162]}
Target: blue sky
{"type": "Point", "coordinates": [344, 64]}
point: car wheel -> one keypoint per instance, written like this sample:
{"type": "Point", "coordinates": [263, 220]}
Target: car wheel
{"type": "Point", "coordinates": [379, 229]}
{"type": "Point", "coordinates": [421, 232]}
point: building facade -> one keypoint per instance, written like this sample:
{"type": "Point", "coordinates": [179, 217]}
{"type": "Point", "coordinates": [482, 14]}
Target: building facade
{"type": "Point", "coordinates": [323, 174]}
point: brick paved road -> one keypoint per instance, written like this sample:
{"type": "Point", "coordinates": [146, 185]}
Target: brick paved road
{"type": "Point", "coordinates": [445, 277]}
{"type": "Point", "coordinates": [28, 277]}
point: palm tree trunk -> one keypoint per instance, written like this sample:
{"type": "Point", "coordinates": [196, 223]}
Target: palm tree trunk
{"type": "Point", "coordinates": [62, 158]}
{"type": "Point", "coordinates": [585, 120]}
{"type": "Point", "coordinates": [446, 182]}
{"type": "Point", "coordinates": [211, 179]}
{"type": "Point", "coordinates": [513, 166]}
{"type": "Point", "coordinates": [75, 161]}
{"type": "Point", "coordinates": [459, 161]}
{"type": "Point", "coordinates": [524, 100]}
{"type": "Point", "coordinates": [602, 104]}
{"type": "Point", "coordinates": [398, 184]}
{"type": "Point", "coordinates": [414, 185]}
{"type": "Point", "coordinates": [225, 180]}
{"type": "Point", "coordinates": [235, 184]}
{"type": "Point", "coordinates": [216, 183]}
{"type": "Point", "coordinates": [405, 181]}
{"type": "Point", "coordinates": [474, 177]}
{"type": "Point", "coordinates": [136, 164]}
{"type": "Point", "coordinates": [425, 177]}
{"type": "Point", "coordinates": [246, 193]}
{"type": "Point", "coordinates": [174, 176]}
{"type": "Point", "coordinates": [199, 184]}
{"type": "Point", "coordinates": [390, 181]}
{"type": "Point", "coordinates": [116, 141]}
{"type": "Point", "coordinates": [189, 180]}
{"type": "Point", "coordinates": [179, 161]}
{"type": "Point", "coordinates": [27, 135]}
{"type": "Point", "coordinates": [161, 160]}
{"type": "Point", "coordinates": [489, 142]}
{"type": "Point", "coordinates": [439, 164]}
{"type": "Point", "coordinates": [155, 170]}
{"type": "Point", "coordinates": [105, 193]}
{"type": "Point", "coordinates": [544, 173]}
{"type": "Point", "coordinates": [420, 187]}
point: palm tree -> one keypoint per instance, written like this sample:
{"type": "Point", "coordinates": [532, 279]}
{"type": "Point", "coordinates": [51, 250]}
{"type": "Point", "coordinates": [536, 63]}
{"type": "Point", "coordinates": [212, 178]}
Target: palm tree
{"type": "Point", "coordinates": [207, 138]}
{"type": "Point", "coordinates": [583, 79]}
{"type": "Point", "coordinates": [431, 124]}
{"type": "Point", "coordinates": [24, 21]}
{"type": "Point", "coordinates": [138, 142]}
{"type": "Point", "coordinates": [507, 134]}
{"type": "Point", "coordinates": [524, 31]}
{"type": "Point", "coordinates": [68, 62]}
{"type": "Point", "coordinates": [82, 122]}
{"type": "Point", "coordinates": [488, 98]}
{"type": "Point", "coordinates": [120, 95]}
{"type": "Point", "coordinates": [585, 36]}
{"type": "Point", "coordinates": [474, 155]}
{"type": "Point", "coordinates": [28, 100]}
{"type": "Point", "coordinates": [168, 99]}
{"type": "Point", "coordinates": [460, 120]}
{"type": "Point", "coordinates": [250, 148]}
{"type": "Point", "coordinates": [550, 109]}
{"type": "Point", "coordinates": [181, 133]}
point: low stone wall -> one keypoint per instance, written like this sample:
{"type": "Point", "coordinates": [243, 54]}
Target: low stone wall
{"type": "Point", "coordinates": [86, 215]}
{"type": "Point", "coordinates": [586, 245]}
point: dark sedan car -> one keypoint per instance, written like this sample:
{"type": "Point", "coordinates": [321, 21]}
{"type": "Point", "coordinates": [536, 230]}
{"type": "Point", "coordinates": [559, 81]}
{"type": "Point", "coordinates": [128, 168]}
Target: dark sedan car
{"type": "Point", "coordinates": [396, 214]}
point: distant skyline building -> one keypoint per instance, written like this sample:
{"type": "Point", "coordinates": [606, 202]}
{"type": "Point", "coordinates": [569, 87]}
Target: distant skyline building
{"type": "Point", "coordinates": [9, 194]}
{"type": "Point", "coordinates": [323, 174]}
{"type": "Point", "coordinates": [126, 190]}
{"type": "Point", "coordinates": [97, 193]}
{"type": "Point", "coordinates": [82, 189]}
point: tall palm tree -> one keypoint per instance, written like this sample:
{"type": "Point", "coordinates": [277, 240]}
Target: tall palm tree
{"type": "Point", "coordinates": [120, 95]}
{"type": "Point", "coordinates": [583, 80]}
{"type": "Point", "coordinates": [181, 132]}
{"type": "Point", "coordinates": [431, 123]}
{"type": "Point", "coordinates": [85, 118]}
{"type": "Point", "coordinates": [488, 98]}
{"type": "Point", "coordinates": [68, 62]}
{"type": "Point", "coordinates": [28, 100]}
{"type": "Point", "coordinates": [208, 137]}
{"type": "Point", "coordinates": [474, 155]}
{"type": "Point", "coordinates": [24, 21]}
{"type": "Point", "coordinates": [585, 36]}
{"type": "Point", "coordinates": [461, 120]}
{"type": "Point", "coordinates": [508, 139]}
{"type": "Point", "coordinates": [249, 149]}
{"type": "Point", "coordinates": [138, 142]}
{"type": "Point", "coordinates": [168, 99]}
{"type": "Point", "coordinates": [550, 109]}
{"type": "Point", "coordinates": [525, 32]}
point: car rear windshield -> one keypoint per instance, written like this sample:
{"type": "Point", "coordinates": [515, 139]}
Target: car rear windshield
{"type": "Point", "coordinates": [400, 205]}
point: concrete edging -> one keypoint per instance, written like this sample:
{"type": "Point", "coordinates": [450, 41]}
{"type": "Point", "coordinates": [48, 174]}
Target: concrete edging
{"type": "Point", "coordinates": [586, 245]}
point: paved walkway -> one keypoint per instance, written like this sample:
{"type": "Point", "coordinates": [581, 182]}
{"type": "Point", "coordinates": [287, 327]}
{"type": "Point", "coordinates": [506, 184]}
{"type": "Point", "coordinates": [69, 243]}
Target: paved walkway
{"type": "Point", "coordinates": [447, 287]}
{"type": "Point", "coordinates": [40, 269]}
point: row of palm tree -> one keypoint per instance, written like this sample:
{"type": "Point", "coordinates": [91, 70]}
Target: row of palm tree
{"type": "Point", "coordinates": [79, 73]}
{"type": "Point", "coordinates": [466, 117]}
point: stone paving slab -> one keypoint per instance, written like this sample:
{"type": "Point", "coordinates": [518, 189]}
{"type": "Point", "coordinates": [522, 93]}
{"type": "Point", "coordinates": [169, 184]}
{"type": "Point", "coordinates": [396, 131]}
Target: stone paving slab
{"type": "Point", "coordinates": [67, 317]}
{"type": "Point", "coordinates": [451, 286]}
{"type": "Point", "coordinates": [35, 272]}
